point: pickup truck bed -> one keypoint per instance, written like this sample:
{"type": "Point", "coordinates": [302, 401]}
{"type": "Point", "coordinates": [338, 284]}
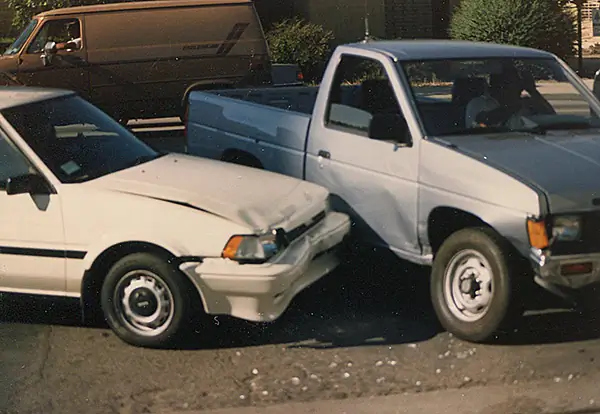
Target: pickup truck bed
{"type": "Point", "coordinates": [240, 121]}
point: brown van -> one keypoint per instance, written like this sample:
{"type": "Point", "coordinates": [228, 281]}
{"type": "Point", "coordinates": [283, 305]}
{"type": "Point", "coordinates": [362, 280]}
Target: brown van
{"type": "Point", "coordinates": [141, 59]}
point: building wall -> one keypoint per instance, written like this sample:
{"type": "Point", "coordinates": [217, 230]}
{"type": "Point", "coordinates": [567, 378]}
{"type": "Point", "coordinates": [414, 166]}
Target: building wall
{"type": "Point", "coordinates": [408, 19]}
{"type": "Point", "coordinates": [346, 18]}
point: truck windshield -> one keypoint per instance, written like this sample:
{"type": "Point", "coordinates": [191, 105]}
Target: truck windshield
{"type": "Point", "coordinates": [18, 43]}
{"type": "Point", "coordinates": [497, 95]}
{"type": "Point", "coordinates": [77, 141]}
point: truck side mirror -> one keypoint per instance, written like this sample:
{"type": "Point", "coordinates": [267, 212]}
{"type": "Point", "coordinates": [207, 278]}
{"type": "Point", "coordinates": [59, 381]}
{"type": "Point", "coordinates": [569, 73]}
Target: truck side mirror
{"type": "Point", "coordinates": [49, 52]}
{"type": "Point", "coordinates": [389, 127]}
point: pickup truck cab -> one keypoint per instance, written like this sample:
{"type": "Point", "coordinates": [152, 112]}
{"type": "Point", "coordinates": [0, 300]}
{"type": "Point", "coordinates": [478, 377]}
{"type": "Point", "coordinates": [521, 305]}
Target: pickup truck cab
{"type": "Point", "coordinates": [148, 240]}
{"type": "Point", "coordinates": [480, 160]}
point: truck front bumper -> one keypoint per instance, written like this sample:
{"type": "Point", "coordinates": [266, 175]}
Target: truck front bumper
{"type": "Point", "coordinates": [569, 271]}
{"type": "Point", "coordinates": [262, 292]}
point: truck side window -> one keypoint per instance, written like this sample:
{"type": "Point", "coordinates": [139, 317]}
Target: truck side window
{"type": "Point", "coordinates": [66, 33]}
{"type": "Point", "coordinates": [361, 89]}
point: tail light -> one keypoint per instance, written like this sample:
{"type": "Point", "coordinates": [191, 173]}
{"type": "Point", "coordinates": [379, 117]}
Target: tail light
{"type": "Point", "coordinates": [300, 76]}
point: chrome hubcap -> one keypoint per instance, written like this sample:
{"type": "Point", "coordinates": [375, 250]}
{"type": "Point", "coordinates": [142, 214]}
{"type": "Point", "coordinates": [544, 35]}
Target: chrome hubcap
{"type": "Point", "coordinates": [144, 303]}
{"type": "Point", "coordinates": [468, 285]}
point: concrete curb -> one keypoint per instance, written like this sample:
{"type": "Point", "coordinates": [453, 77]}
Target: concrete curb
{"type": "Point", "coordinates": [579, 396]}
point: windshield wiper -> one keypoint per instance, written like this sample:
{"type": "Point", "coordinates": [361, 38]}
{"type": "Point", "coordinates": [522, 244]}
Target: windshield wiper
{"type": "Point", "coordinates": [145, 158]}
{"type": "Point", "coordinates": [476, 131]}
{"type": "Point", "coordinates": [558, 126]}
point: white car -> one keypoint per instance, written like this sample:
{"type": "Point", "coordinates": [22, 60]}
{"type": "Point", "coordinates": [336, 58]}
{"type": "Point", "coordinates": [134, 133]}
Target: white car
{"type": "Point", "coordinates": [87, 210]}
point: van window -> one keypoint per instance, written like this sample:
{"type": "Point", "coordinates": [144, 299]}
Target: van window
{"type": "Point", "coordinates": [18, 44]}
{"type": "Point", "coordinates": [65, 32]}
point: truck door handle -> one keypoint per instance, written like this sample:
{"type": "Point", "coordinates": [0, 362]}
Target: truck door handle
{"type": "Point", "coordinates": [324, 154]}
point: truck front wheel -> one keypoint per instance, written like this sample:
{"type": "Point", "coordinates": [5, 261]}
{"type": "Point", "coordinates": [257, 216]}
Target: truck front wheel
{"type": "Point", "coordinates": [473, 290]}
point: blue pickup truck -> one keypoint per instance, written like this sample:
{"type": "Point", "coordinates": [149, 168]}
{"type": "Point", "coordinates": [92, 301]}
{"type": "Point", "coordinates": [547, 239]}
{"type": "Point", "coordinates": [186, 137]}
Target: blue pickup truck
{"type": "Point", "coordinates": [477, 159]}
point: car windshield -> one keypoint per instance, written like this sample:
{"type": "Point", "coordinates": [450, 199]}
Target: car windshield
{"type": "Point", "coordinates": [18, 43]}
{"type": "Point", "coordinates": [497, 95]}
{"type": "Point", "coordinates": [77, 141]}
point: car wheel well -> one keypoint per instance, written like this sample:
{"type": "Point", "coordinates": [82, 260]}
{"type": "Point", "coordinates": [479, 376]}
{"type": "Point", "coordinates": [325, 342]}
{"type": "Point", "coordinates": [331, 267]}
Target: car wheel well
{"type": "Point", "coordinates": [445, 221]}
{"type": "Point", "coordinates": [94, 276]}
{"type": "Point", "coordinates": [240, 157]}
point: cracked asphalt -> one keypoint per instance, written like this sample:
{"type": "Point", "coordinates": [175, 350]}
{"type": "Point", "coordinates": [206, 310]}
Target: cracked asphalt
{"type": "Point", "coordinates": [367, 330]}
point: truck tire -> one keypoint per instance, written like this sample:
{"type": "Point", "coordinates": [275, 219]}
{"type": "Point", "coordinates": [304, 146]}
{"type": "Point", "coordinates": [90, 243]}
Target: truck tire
{"type": "Point", "coordinates": [473, 288]}
{"type": "Point", "coordinates": [146, 301]}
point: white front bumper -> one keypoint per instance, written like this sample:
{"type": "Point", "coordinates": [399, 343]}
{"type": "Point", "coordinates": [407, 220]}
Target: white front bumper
{"type": "Point", "coordinates": [261, 293]}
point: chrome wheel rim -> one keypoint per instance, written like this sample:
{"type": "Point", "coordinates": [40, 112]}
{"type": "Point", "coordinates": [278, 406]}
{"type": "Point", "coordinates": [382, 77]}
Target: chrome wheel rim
{"type": "Point", "coordinates": [144, 303]}
{"type": "Point", "coordinates": [468, 285]}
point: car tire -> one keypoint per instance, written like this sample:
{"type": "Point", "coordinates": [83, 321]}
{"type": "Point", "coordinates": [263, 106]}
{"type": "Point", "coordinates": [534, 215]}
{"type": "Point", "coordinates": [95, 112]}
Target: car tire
{"type": "Point", "coordinates": [146, 301]}
{"type": "Point", "coordinates": [473, 287]}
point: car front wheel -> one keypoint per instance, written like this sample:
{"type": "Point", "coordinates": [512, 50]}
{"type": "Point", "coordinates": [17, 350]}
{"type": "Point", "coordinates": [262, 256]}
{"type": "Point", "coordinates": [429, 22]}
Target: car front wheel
{"type": "Point", "coordinates": [146, 301]}
{"type": "Point", "coordinates": [473, 285]}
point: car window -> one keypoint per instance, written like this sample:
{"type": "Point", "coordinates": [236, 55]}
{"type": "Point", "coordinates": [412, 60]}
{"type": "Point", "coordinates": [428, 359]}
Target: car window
{"type": "Point", "coordinates": [77, 141]}
{"type": "Point", "coordinates": [58, 31]}
{"type": "Point", "coordinates": [360, 90]}
{"type": "Point", "coordinates": [12, 162]}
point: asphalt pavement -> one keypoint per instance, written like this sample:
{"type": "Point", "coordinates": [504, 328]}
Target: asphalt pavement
{"type": "Point", "coordinates": [364, 339]}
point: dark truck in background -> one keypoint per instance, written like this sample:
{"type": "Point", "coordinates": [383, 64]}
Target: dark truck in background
{"type": "Point", "coordinates": [142, 59]}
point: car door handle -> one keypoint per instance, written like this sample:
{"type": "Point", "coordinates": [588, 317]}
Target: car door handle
{"type": "Point", "coordinates": [324, 154]}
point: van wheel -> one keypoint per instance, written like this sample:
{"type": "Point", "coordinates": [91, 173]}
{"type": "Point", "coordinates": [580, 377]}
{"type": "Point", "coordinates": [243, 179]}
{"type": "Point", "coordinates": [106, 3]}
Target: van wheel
{"type": "Point", "coordinates": [146, 301]}
{"type": "Point", "coordinates": [472, 289]}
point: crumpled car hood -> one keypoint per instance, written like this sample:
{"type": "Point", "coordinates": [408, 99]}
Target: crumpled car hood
{"type": "Point", "coordinates": [250, 197]}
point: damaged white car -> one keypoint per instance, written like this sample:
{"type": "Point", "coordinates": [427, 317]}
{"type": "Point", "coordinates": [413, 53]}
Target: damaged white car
{"type": "Point", "coordinates": [90, 211]}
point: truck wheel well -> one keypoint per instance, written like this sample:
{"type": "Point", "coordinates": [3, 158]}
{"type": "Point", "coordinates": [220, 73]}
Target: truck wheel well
{"type": "Point", "coordinates": [444, 221]}
{"type": "Point", "coordinates": [93, 278]}
{"type": "Point", "coordinates": [235, 156]}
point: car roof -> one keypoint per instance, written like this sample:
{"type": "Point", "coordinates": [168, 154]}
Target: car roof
{"type": "Point", "coordinates": [135, 5]}
{"type": "Point", "coordinates": [406, 50]}
{"type": "Point", "coordinates": [11, 96]}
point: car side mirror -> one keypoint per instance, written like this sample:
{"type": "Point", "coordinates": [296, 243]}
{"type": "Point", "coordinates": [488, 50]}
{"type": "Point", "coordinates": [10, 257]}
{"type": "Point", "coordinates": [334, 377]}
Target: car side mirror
{"type": "Point", "coordinates": [49, 52]}
{"type": "Point", "coordinates": [389, 127]}
{"type": "Point", "coordinates": [33, 184]}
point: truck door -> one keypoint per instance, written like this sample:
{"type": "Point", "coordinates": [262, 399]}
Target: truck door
{"type": "Point", "coordinates": [68, 69]}
{"type": "Point", "coordinates": [372, 179]}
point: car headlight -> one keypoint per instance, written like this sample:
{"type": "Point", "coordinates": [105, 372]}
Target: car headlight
{"type": "Point", "coordinates": [254, 249]}
{"type": "Point", "coordinates": [566, 228]}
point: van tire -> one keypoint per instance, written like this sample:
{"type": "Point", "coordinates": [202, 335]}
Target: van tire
{"type": "Point", "coordinates": [473, 288]}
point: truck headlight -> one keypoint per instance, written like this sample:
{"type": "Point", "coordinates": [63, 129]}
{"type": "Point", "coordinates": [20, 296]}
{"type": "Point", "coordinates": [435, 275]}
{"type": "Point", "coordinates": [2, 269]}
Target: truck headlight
{"type": "Point", "coordinates": [254, 249]}
{"type": "Point", "coordinates": [566, 228]}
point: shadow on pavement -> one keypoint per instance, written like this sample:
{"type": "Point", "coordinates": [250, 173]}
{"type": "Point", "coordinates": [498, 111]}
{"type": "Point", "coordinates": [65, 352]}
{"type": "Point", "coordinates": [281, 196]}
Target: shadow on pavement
{"type": "Point", "coordinates": [374, 300]}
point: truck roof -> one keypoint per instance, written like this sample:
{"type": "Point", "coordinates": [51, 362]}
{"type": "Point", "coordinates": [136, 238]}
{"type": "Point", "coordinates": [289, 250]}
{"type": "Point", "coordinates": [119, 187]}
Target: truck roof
{"type": "Point", "coordinates": [406, 50]}
{"type": "Point", "coordinates": [11, 96]}
{"type": "Point", "coordinates": [136, 5]}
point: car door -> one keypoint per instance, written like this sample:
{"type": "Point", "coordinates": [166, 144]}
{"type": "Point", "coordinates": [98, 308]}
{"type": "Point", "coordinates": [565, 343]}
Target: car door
{"type": "Point", "coordinates": [68, 68]}
{"type": "Point", "coordinates": [32, 245]}
{"type": "Point", "coordinates": [375, 181]}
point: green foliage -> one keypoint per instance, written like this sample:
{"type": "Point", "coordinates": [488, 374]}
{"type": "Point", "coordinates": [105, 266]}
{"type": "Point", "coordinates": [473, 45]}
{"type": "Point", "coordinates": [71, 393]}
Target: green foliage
{"type": "Point", "coordinates": [542, 24]}
{"type": "Point", "coordinates": [305, 44]}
